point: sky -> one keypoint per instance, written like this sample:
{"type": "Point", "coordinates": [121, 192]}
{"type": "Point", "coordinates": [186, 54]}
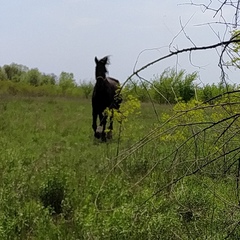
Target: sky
{"type": "Point", "coordinates": [66, 35]}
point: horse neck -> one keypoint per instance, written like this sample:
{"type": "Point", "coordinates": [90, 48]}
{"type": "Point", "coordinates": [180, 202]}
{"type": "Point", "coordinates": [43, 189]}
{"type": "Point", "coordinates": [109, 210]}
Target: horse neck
{"type": "Point", "coordinates": [101, 83]}
{"type": "Point", "coordinates": [100, 78]}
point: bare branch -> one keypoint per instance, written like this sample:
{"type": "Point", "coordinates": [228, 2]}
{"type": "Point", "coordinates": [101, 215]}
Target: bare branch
{"type": "Point", "coordinates": [223, 44]}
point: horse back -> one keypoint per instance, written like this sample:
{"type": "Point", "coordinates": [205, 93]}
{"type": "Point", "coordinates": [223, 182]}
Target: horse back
{"type": "Point", "coordinates": [114, 82]}
{"type": "Point", "coordinates": [116, 90]}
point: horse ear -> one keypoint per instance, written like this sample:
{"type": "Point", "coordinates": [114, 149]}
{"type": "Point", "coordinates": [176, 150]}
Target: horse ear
{"type": "Point", "coordinates": [96, 60]}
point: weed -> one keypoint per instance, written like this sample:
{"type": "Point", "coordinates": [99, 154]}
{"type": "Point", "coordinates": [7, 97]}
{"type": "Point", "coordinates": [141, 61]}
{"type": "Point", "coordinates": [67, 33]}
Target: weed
{"type": "Point", "coordinates": [52, 194]}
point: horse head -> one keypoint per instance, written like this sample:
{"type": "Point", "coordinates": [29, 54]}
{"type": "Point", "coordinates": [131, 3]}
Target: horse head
{"type": "Point", "coordinates": [101, 69]}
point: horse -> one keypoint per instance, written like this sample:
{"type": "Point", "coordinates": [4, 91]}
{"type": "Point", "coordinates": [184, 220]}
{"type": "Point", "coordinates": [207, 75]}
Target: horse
{"type": "Point", "coordinates": [106, 94]}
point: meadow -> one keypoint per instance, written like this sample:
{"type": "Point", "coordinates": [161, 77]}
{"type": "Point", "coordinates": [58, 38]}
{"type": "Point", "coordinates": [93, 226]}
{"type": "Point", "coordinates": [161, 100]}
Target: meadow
{"type": "Point", "coordinates": [58, 182]}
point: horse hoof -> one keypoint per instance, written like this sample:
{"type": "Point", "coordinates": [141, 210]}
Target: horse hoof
{"type": "Point", "coordinates": [97, 135]}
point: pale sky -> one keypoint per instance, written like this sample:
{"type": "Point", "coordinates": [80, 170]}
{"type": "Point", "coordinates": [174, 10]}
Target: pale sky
{"type": "Point", "coordinates": [66, 35]}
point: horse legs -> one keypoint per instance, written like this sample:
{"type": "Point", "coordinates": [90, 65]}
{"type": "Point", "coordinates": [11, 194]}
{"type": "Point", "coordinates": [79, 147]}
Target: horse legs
{"type": "Point", "coordinates": [100, 132]}
{"type": "Point", "coordinates": [103, 122]}
{"type": "Point", "coordinates": [94, 124]}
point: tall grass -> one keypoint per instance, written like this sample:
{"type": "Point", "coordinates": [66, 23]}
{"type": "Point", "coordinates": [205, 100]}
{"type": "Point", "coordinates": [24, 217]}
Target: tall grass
{"type": "Point", "coordinates": [57, 182]}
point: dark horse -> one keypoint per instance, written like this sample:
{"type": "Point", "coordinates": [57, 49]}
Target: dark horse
{"type": "Point", "coordinates": [106, 94]}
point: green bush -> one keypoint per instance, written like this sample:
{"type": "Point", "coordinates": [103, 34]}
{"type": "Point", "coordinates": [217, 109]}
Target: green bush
{"type": "Point", "coordinates": [87, 88]}
{"type": "Point", "coordinates": [52, 194]}
{"type": "Point", "coordinates": [172, 86]}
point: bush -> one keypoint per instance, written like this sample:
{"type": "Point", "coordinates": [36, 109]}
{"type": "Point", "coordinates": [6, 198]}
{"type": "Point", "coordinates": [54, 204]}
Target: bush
{"type": "Point", "coordinates": [172, 86]}
{"type": "Point", "coordinates": [87, 88]}
{"type": "Point", "coordinates": [52, 194]}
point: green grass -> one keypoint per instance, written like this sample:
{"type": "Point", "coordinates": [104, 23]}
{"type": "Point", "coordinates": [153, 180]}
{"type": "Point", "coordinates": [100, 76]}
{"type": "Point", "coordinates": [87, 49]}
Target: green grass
{"type": "Point", "coordinates": [48, 155]}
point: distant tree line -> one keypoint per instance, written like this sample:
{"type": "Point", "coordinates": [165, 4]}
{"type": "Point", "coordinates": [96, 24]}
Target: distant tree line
{"type": "Point", "coordinates": [20, 73]}
{"type": "Point", "coordinates": [169, 87]}
{"type": "Point", "coordinates": [19, 79]}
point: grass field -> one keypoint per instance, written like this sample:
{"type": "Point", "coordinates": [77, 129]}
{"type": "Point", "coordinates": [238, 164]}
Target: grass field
{"type": "Point", "coordinates": [57, 182]}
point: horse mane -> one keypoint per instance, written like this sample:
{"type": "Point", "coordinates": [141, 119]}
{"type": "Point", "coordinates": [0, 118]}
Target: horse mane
{"type": "Point", "coordinates": [105, 60]}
